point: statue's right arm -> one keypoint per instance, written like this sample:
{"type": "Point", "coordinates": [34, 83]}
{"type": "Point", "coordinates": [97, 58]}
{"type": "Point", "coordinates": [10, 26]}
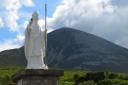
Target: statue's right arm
{"type": "Point", "coordinates": [28, 29]}
{"type": "Point", "coordinates": [27, 41]}
{"type": "Point", "coordinates": [29, 26]}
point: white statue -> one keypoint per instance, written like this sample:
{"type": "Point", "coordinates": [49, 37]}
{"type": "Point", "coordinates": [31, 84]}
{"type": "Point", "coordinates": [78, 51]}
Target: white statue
{"type": "Point", "coordinates": [35, 44]}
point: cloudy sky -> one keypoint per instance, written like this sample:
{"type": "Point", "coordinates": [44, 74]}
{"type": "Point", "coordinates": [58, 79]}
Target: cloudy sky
{"type": "Point", "coordinates": [105, 18]}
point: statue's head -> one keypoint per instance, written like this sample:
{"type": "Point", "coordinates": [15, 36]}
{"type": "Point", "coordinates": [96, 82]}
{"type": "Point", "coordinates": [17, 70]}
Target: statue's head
{"type": "Point", "coordinates": [35, 16]}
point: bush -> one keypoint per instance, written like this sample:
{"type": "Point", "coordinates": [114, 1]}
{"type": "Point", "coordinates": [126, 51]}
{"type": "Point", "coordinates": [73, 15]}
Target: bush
{"type": "Point", "coordinates": [6, 81]}
{"type": "Point", "coordinates": [113, 82]}
{"type": "Point", "coordinates": [95, 76]}
{"type": "Point", "coordinates": [88, 83]}
{"type": "Point", "coordinates": [113, 76]}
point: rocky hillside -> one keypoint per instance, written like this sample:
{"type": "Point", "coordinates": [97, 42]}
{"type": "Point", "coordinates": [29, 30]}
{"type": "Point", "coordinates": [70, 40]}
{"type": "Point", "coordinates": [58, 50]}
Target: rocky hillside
{"type": "Point", "coordinates": [69, 48]}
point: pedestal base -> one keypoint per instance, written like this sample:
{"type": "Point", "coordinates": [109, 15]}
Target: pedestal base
{"type": "Point", "coordinates": [37, 77]}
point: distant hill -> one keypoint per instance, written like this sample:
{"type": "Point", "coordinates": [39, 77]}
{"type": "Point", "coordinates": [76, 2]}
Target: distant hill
{"type": "Point", "coordinates": [69, 48]}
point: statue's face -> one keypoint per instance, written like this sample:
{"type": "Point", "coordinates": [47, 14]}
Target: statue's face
{"type": "Point", "coordinates": [35, 16]}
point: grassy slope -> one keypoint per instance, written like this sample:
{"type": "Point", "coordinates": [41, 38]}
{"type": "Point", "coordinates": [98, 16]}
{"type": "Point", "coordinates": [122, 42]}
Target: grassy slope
{"type": "Point", "coordinates": [6, 73]}
{"type": "Point", "coordinates": [67, 79]}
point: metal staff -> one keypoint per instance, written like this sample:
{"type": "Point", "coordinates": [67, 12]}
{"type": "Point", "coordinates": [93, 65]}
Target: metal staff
{"type": "Point", "coordinates": [45, 33]}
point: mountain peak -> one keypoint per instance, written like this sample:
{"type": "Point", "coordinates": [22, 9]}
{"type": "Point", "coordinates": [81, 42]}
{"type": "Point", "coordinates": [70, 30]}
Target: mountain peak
{"type": "Point", "coordinates": [75, 49]}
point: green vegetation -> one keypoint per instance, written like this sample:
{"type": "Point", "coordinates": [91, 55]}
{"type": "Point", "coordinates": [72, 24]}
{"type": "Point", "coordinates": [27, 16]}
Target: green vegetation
{"type": "Point", "coordinates": [6, 73]}
{"type": "Point", "coordinates": [73, 77]}
{"type": "Point", "coordinates": [68, 78]}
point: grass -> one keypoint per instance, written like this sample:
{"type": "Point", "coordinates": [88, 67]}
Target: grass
{"type": "Point", "coordinates": [69, 77]}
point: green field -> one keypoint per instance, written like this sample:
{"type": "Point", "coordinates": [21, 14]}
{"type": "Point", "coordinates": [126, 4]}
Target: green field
{"type": "Point", "coordinates": [71, 77]}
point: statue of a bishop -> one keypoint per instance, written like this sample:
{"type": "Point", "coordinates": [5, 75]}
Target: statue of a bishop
{"type": "Point", "coordinates": [35, 44]}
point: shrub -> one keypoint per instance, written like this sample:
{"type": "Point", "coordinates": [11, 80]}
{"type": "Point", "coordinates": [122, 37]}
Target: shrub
{"type": "Point", "coordinates": [113, 82]}
{"type": "Point", "coordinates": [95, 76]}
{"type": "Point", "coordinates": [113, 76]}
{"type": "Point", "coordinates": [88, 83]}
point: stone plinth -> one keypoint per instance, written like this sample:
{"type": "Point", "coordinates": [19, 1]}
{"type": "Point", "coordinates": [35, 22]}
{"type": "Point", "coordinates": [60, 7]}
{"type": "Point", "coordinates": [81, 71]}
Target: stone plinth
{"type": "Point", "coordinates": [37, 77]}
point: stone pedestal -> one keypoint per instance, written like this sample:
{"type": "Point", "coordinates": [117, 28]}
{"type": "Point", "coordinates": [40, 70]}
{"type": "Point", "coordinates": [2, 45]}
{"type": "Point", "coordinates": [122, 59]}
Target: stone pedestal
{"type": "Point", "coordinates": [37, 77]}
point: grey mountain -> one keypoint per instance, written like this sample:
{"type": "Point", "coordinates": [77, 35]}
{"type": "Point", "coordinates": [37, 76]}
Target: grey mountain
{"type": "Point", "coordinates": [69, 48]}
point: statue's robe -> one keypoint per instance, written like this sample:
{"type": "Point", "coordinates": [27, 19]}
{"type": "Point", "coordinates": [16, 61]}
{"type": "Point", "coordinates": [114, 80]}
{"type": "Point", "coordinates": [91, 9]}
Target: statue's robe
{"type": "Point", "coordinates": [35, 47]}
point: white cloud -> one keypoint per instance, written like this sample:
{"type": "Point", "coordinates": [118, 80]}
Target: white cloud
{"type": "Point", "coordinates": [41, 23]}
{"type": "Point", "coordinates": [20, 38]}
{"type": "Point", "coordinates": [12, 43]}
{"type": "Point", "coordinates": [8, 44]}
{"type": "Point", "coordinates": [15, 42]}
{"type": "Point", "coordinates": [11, 20]}
{"type": "Point", "coordinates": [50, 30]}
{"type": "Point", "coordinates": [1, 23]}
{"type": "Point", "coordinates": [10, 14]}
{"type": "Point", "coordinates": [123, 41]}
{"type": "Point", "coordinates": [12, 4]}
{"type": "Point", "coordinates": [99, 17]}
{"type": "Point", "coordinates": [70, 13]}
{"type": "Point", "coordinates": [27, 2]}
{"type": "Point", "coordinates": [11, 11]}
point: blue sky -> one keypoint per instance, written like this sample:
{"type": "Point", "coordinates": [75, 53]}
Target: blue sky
{"type": "Point", "coordinates": [8, 34]}
{"type": "Point", "coordinates": [104, 18]}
